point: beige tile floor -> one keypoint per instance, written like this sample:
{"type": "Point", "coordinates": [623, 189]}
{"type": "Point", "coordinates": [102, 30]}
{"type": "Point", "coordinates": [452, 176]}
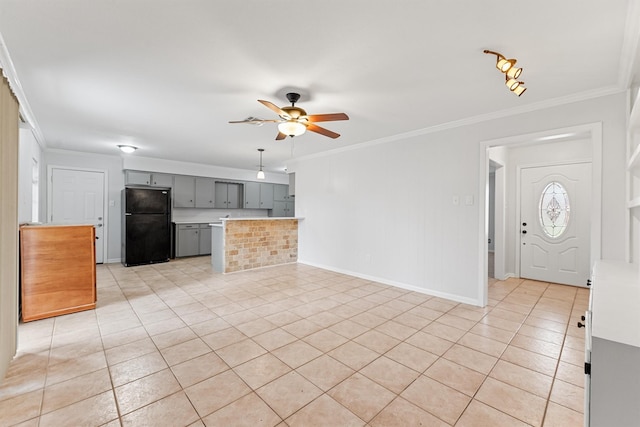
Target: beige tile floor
{"type": "Point", "coordinates": [175, 344]}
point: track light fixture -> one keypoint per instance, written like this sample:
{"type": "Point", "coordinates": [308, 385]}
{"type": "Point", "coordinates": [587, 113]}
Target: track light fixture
{"type": "Point", "coordinates": [511, 72]}
{"type": "Point", "coordinates": [260, 174]}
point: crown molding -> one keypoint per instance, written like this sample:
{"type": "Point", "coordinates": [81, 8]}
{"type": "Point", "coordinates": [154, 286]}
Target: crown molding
{"type": "Point", "coordinates": [25, 110]}
{"type": "Point", "coordinates": [536, 106]}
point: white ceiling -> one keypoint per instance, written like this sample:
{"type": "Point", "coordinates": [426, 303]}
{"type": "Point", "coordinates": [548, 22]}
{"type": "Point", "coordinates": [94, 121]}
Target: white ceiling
{"type": "Point", "coordinates": [168, 75]}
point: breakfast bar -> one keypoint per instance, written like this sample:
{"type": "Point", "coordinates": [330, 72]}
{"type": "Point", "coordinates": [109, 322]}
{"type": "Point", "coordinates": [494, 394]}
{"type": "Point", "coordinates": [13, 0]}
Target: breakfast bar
{"type": "Point", "coordinates": [239, 244]}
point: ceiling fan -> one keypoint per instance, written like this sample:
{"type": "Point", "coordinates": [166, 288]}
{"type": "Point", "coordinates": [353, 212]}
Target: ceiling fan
{"type": "Point", "coordinates": [295, 121]}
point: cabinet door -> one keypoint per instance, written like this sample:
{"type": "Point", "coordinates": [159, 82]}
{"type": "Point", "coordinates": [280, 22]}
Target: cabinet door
{"type": "Point", "coordinates": [220, 195]}
{"type": "Point", "coordinates": [290, 209]}
{"type": "Point", "coordinates": [252, 195]}
{"type": "Point", "coordinates": [266, 196]}
{"type": "Point", "coordinates": [138, 178]}
{"type": "Point", "coordinates": [184, 191]}
{"type": "Point", "coordinates": [205, 239]}
{"type": "Point", "coordinates": [161, 180]}
{"type": "Point", "coordinates": [188, 240]}
{"type": "Point", "coordinates": [280, 192]}
{"type": "Point", "coordinates": [205, 189]}
{"type": "Point", "coordinates": [234, 195]}
{"type": "Point", "coordinates": [279, 208]}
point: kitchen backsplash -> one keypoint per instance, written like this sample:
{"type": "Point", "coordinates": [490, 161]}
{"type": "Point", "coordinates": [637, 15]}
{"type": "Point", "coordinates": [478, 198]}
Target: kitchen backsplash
{"type": "Point", "coordinates": [210, 215]}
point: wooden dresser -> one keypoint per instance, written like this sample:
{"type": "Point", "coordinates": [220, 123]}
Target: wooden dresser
{"type": "Point", "coordinates": [57, 270]}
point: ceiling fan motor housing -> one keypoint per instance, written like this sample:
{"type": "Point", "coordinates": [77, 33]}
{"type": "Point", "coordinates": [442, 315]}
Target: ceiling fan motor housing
{"type": "Point", "coordinates": [294, 112]}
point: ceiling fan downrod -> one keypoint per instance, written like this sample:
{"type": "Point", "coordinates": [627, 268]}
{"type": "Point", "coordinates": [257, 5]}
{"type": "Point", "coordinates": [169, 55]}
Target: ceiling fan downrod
{"type": "Point", "coordinates": [293, 98]}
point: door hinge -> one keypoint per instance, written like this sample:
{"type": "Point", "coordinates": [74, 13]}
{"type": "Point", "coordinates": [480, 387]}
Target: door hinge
{"type": "Point", "coordinates": [587, 368]}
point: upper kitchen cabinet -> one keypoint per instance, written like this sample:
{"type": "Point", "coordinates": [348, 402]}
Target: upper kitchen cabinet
{"type": "Point", "coordinates": [184, 191]}
{"type": "Point", "coordinates": [228, 195]}
{"type": "Point", "coordinates": [258, 195]}
{"type": "Point", "coordinates": [205, 191]}
{"type": "Point", "coordinates": [281, 193]}
{"type": "Point", "coordinates": [148, 178]}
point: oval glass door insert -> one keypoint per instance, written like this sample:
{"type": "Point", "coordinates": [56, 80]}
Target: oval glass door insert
{"type": "Point", "coordinates": [554, 210]}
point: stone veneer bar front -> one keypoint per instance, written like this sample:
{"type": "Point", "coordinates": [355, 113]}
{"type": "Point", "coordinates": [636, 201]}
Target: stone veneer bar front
{"type": "Point", "coordinates": [245, 243]}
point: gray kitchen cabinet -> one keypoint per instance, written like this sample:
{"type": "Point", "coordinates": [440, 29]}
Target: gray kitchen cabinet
{"type": "Point", "coordinates": [188, 240]}
{"type": "Point", "coordinates": [205, 239]}
{"type": "Point", "coordinates": [204, 192]}
{"type": "Point", "coordinates": [258, 195]}
{"type": "Point", "coordinates": [282, 209]}
{"type": "Point", "coordinates": [193, 239]}
{"type": "Point", "coordinates": [227, 195]}
{"type": "Point", "coordinates": [184, 191]}
{"type": "Point", "coordinates": [148, 178]}
{"type": "Point", "coordinates": [281, 193]}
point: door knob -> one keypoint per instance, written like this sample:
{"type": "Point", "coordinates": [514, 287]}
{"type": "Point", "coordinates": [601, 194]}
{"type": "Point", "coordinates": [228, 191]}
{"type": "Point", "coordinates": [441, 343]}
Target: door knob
{"type": "Point", "coordinates": [524, 224]}
{"type": "Point", "coordinates": [524, 231]}
{"type": "Point", "coordinates": [99, 225]}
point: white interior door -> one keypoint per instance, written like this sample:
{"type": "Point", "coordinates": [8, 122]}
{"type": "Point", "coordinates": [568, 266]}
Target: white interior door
{"type": "Point", "coordinates": [555, 217]}
{"type": "Point", "coordinates": [77, 197]}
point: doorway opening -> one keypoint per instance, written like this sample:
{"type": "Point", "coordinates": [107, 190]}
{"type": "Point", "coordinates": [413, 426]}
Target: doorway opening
{"type": "Point", "coordinates": [588, 138]}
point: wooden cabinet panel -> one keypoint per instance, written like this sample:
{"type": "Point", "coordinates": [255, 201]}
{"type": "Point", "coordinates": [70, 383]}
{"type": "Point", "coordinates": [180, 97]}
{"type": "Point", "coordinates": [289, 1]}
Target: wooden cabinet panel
{"type": "Point", "coordinates": [58, 270]}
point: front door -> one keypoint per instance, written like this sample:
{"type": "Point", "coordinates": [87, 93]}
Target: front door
{"type": "Point", "coordinates": [555, 215]}
{"type": "Point", "coordinates": [77, 197]}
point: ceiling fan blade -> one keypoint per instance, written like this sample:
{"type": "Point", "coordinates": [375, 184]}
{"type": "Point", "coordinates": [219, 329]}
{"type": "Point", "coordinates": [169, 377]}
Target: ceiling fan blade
{"type": "Point", "coordinates": [275, 108]}
{"type": "Point", "coordinates": [327, 117]}
{"type": "Point", "coordinates": [322, 131]}
{"type": "Point", "coordinates": [280, 136]}
{"type": "Point", "coordinates": [255, 121]}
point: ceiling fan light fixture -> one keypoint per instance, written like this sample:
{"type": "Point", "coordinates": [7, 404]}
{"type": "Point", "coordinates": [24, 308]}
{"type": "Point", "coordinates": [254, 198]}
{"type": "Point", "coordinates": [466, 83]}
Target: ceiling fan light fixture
{"type": "Point", "coordinates": [292, 128]}
{"type": "Point", "coordinates": [127, 148]}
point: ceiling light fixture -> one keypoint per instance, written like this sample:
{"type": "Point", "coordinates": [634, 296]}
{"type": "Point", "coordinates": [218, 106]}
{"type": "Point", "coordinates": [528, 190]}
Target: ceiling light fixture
{"type": "Point", "coordinates": [511, 72]}
{"type": "Point", "coordinates": [127, 148]}
{"type": "Point", "coordinates": [260, 174]}
{"type": "Point", "coordinates": [292, 127]}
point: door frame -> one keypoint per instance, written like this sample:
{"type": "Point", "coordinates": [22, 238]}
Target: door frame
{"type": "Point", "coordinates": [518, 202]}
{"type": "Point", "coordinates": [593, 132]}
{"type": "Point", "coordinates": [105, 204]}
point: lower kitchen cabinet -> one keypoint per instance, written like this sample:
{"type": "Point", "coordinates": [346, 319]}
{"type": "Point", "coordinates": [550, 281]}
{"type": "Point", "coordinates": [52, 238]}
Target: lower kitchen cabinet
{"type": "Point", "coordinates": [205, 239]}
{"type": "Point", "coordinates": [192, 240]}
{"type": "Point", "coordinates": [282, 209]}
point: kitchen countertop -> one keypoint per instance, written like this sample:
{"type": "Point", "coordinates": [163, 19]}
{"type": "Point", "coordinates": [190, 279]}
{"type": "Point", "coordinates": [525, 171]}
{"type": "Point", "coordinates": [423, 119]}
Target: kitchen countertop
{"type": "Point", "coordinates": [260, 218]}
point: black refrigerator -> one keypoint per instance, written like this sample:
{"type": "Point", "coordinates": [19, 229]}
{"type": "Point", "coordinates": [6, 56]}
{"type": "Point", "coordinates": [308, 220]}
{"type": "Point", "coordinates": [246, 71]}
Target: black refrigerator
{"type": "Point", "coordinates": [146, 226]}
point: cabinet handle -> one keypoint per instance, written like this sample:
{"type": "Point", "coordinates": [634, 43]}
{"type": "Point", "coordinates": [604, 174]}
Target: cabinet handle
{"type": "Point", "coordinates": [580, 325]}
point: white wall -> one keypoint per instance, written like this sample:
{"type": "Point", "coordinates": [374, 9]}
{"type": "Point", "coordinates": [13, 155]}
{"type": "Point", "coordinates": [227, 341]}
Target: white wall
{"type": "Point", "coordinates": [386, 211]}
{"type": "Point", "coordinates": [30, 151]}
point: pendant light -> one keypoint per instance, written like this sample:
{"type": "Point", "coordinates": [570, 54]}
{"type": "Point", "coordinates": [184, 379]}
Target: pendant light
{"type": "Point", "coordinates": [260, 174]}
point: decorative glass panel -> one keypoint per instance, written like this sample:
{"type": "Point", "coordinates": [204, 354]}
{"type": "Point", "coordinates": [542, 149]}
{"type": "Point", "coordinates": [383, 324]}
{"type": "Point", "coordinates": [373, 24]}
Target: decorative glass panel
{"type": "Point", "coordinates": [554, 210]}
